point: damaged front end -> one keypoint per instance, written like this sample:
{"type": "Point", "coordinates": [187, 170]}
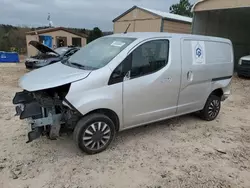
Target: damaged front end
{"type": "Point", "coordinates": [46, 112]}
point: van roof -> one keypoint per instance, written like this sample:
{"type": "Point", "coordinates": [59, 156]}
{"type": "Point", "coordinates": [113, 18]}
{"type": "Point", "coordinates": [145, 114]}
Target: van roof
{"type": "Point", "coordinates": [146, 35]}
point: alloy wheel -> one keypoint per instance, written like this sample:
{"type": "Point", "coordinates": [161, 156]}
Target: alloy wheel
{"type": "Point", "coordinates": [96, 136]}
{"type": "Point", "coordinates": [213, 108]}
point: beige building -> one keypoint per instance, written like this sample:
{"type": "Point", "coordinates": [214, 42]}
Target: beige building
{"type": "Point", "coordinates": [58, 36]}
{"type": "Point", "coordinates": [225, 18]}
{"type": "Point", "coordinates": [148, 20]}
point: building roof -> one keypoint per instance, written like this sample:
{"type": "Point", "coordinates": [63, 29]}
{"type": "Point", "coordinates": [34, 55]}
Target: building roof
{"type": "Point", "coordinates": [47, 30]}
{"type": "Point", "coordinates": [162, 14]}
{"type": "Point", "coordinates": [196, 3]}
{"type": "Point", "coordinates": [206, 5]}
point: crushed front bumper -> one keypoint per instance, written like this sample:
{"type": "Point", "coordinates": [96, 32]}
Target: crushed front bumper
{"type": "Point", "coordinates": [26, 105]}
{"type": "Point", "coordinates": [41, 119]}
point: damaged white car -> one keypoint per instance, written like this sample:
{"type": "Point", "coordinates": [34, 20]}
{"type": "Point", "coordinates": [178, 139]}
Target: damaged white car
{"type": "Point", "coordinates": [122, 81]}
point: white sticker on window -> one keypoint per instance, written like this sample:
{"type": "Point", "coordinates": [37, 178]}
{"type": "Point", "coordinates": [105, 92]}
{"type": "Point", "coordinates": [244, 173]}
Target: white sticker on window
{"type": "Point", "coordinates": [117, 43]}
{"type": "Point", "coordinates": [198, 52]}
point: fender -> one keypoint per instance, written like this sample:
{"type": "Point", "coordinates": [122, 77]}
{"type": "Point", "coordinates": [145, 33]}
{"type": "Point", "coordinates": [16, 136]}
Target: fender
{"type": "Point", "coordinates": [88, 95]}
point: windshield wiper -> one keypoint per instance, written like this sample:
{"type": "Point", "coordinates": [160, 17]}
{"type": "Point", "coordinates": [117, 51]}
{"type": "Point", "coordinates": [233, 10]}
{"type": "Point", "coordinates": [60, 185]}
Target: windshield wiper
{"type": "Point", "coordinates": [78, 65]}
{"type": "Point", "coordinates": [70, 63]}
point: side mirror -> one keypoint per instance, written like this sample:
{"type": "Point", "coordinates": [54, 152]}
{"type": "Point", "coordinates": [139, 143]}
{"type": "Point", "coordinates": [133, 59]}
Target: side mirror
{"type": "Point", "coordinates": [127, 76]}
{"type": "Point", "coordinates": [117, 74]}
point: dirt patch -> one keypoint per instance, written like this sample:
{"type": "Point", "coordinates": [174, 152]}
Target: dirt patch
{"type": "Point", "coordinates": [180, 152]}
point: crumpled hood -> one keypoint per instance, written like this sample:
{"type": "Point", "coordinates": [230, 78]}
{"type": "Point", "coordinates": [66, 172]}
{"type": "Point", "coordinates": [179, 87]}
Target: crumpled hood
{"type": "Point", "coordinates": [53, 75]}
{"type": "Point", "coordinates": [246, 58]}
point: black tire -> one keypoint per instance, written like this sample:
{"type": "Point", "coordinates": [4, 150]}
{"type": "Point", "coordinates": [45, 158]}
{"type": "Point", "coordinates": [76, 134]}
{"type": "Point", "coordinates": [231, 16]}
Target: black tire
{"type": "Point", "coordinates": [102, 124]}
{"type": "Point", "coordinates": [211, 108]}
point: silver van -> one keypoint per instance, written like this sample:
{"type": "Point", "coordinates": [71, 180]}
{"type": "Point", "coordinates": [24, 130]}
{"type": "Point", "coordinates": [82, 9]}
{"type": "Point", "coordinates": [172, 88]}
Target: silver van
{"type": "Point", "coordinates": [123, 81]}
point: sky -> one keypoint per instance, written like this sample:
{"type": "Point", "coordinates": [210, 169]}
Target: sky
{"type": "Point", "coordinates": [73, 13]}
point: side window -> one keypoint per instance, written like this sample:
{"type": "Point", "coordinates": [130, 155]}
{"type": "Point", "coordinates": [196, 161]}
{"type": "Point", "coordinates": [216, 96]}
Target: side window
{"type": "Point", "coordinates": [149, 57]}
{"type": "Point", "coordinates": [121, 70]}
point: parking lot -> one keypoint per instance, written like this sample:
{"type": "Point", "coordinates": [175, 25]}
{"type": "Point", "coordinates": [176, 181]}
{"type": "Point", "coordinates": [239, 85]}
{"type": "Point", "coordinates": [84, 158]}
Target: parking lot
{"type": "Point", "coordinates": [180, 152]}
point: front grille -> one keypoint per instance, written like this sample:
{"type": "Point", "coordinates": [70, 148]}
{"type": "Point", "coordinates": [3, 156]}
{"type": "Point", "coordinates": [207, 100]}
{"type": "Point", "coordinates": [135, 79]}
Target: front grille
{"type": "Point", "coordinates": [246, 62]}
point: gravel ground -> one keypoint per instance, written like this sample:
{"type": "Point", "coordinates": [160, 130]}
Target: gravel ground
{"type": "Point", "coordinates": [180, 152]}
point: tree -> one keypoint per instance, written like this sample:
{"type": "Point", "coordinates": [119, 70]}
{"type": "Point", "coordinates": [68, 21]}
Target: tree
{"type": "Point", "coordinates": [182, 8]}
{"type": "Point", "coordinates": [94, 34]}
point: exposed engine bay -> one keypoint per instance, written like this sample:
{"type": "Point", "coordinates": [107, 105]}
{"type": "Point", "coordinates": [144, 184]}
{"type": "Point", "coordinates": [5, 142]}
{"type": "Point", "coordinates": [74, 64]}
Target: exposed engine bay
{"type": "Point", "coordinates": [44, 55]}
{"type": "Point", "coordinates": [46, 112]}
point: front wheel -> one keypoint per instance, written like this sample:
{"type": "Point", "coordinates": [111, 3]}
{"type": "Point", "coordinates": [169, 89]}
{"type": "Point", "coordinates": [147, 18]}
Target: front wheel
{"type": "Point", "coordinates": [94, 133]}
{"type": "Point", "coordinates": [211, 108]}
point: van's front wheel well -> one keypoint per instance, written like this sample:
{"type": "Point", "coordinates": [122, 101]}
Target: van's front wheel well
{"type": "Point", "coordinates": [109, 113]}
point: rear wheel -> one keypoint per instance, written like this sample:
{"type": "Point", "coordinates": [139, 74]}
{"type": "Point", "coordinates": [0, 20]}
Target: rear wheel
{"type": "Point", "coordinates": [94, 133]}
{"type": "Point", "coordinates": [211, 108]}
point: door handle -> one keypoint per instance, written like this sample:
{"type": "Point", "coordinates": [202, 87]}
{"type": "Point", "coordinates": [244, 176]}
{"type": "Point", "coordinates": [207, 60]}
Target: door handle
{"type": "Point", "coordinates": [190, 76]}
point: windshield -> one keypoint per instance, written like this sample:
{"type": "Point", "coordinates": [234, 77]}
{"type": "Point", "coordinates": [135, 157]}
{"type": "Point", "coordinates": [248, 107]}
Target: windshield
{"type": "Point", "coordinates": [61, 50]}
{"type": "Point", "coordinates": [100, 52]}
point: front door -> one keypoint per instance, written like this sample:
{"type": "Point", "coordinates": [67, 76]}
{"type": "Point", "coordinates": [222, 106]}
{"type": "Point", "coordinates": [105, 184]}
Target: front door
{"type": "Point", "coordinates": [150, 90]}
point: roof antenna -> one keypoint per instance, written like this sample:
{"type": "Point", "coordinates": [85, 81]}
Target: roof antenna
{"type": "Point", "coordinates": [127, 28]}
{"type": "Point", "coordinates": [50, 21]}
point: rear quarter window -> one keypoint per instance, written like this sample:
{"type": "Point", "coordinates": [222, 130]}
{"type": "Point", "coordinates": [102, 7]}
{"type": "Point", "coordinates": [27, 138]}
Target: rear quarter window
{"type": "Point", "coordinates": [215, 52]}
{"type": "Point", "coordinates": [218, 52]}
